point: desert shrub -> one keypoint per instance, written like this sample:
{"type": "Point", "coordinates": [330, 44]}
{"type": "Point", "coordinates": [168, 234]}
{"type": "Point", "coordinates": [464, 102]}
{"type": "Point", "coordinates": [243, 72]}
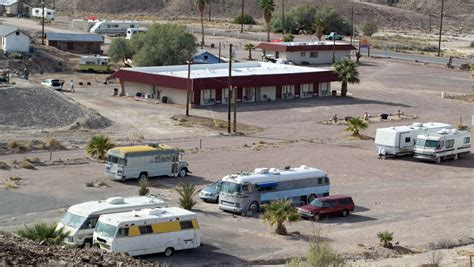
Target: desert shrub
{"type": "Point", "coordinates": [13, 144]}
{"type": "Point", "coordinates": [90, 184]}
{"type": "Point", "coordinates": [98, 146]}
{"type": "Point", "coordinates": [143, 186]}
{"type": "Point", "coordinates": [278, 212]}
{"type": "Point", "coordinates": [385, 238]}
{"type": "Point", "coordinates": [4, 166]}
{"type": "Point", "coordinates": [53, 143]}
{"type": "Point", "coordinates": [354, 125]}
{"type": "Point", "coordinates": [247, 19]}
{"type": "Point", "coordinates": [43, 232]}
{"type": "Point", "coordinates": [288, 37]}
{"type": "Point", "coordinates": [9, 185]}
{"type": "Point", "coordinates": [321, 254]}
{"type": "Point", "coordinates": [186, 193]}
{"type": "Point", "coordinates": [33, 161]}
{"type": "Point", "coordinates": [27, 165]}
{"type": "Point", "coordinates": [369, 27]}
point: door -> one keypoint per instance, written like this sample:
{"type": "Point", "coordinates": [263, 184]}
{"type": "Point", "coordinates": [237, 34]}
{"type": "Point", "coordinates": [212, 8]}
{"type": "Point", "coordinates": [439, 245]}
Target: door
{"type": "Point", "coordinates": [406, 141]}
{"type": "Point", "coordinates": [258, 96]}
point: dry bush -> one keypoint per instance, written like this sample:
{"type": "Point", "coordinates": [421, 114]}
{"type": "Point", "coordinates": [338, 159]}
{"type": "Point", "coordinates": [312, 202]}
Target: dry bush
{"type": "Point", "coordinates": [52, 143]}
{"type": "Point", "coordinates": [27, 165]}
{"type": "Point", "coordinates": [9, 185]}
{"type": "Point", "coordinates": [34, 160]}
{"type": "Point", "coordinates": [4, 166]}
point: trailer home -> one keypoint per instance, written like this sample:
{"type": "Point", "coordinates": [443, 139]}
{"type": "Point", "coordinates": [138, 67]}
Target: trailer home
{"type": "Point", "coordinates": [400, 140]}
{"type": "Point", "coordinates": [49, 14]}
{"type": "Point", "coordinates": [113, 27]}
{"type": "Point", "coordinates": [132, 31]}
{"type": "Point", "coordinates": [94, 64]}
{"type": "Point", "coordinates": [443, 145]}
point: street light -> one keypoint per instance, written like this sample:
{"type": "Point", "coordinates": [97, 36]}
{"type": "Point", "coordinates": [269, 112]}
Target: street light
{"type": "Point", "coordinates": [188, 89]}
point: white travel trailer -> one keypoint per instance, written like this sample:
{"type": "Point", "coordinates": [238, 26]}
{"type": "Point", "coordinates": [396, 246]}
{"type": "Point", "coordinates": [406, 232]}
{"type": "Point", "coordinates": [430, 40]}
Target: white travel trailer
{"type": "Point", "coordinates": [144, 161]}
{"type": "Point", "coordinates": [132, 31]}
{"type": "Point", "coordinates": [443, 145]}
{"type": "Point", "coordinates": [81, 219]}
{"type": "Point", "coordinates": [49, 14]}
{"type": "Point", "coordinates": [247, 191]}
{"type": "Point", "coordinates": [400, 140]}
{"type": "Point", "coordinates": [113, 27]}
{"type": "Point", "coordinates": [148, 231]}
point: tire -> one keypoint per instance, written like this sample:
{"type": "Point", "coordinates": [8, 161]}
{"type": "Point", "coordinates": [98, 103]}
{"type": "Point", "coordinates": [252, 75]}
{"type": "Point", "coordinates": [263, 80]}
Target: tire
{"type": "Point", "coordinates": [169, 252]}
{"type": "Point", "coordinates": [456, 156]}
{"type": "Point", "coordinates": [345, 213]}
{"type": "Point", "coordinates": [87, 244]}
{"type": "Point", "coordinates": [311, 197]}
{"type": "Point", "coordinates": [183, 172]}
{"type": "Point", "coordinates": [217, 199]}
{"type": "Point", "coordinates": [316, 217]}
{"type": "Point", "coordinates": [254, 207]}
{"type": "Point", "coordinates": [143, 175]}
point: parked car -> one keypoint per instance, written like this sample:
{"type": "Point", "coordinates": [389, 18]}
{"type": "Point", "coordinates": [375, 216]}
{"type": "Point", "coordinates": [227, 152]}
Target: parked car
{"type": "Point", "coordinates": [326, 206]}
{"type": "Point", "coordinates": [333, 36]}
{"type": "Point", "coordinates": [211, 192]}
{"type": "Point", "coordinates": [53, 84]}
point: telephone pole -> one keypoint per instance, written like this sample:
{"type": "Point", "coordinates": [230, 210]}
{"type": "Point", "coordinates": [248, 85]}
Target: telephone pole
{"type": "Point", "coordinates": [440, 28]}
{"type": "Point", "coordinates": [229, 94]}
{"type": "Point", "coordinates": [188, 91]}
{"type": "Point", "coordinates": [42, 23]}
{"type": "Point", "coordinates": [242, 18]}
{"type": "Point", "coordinates": [352, 22]}
{"type": "Point", "coordinates": [209, 6]}
{"type": "Point", "coordinates": [283, 14]}
{"type": "Point", "coordinates": [430, 21]}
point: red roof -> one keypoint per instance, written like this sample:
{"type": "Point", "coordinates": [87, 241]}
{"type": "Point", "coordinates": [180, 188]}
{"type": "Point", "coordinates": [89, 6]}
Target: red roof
{"type": "Point", "coordinates": [282, 47]}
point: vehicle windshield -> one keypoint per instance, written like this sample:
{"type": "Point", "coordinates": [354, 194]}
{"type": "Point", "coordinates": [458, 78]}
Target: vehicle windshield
{"type": "Point", "coordinates": [231, 188]}
{"type": "Point", "coordinates": [73, 220]}
{"type": "Point", "coordinates": [106, 230]}
{"type": "Point", "coordinates": [427, 143]}
{"type": "Point", "coordinates": [317, 203]}
{"type": "Point", "coordinates": [116, 160]}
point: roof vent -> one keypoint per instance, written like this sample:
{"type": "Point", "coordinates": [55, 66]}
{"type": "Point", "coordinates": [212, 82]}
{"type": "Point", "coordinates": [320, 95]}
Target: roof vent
{"type": "Point", "coordinates": [443, 131]}
{"type": "Point", "coordinates": [116, 200]}
{"type": "Point", "coordinates": [274, 171]}
{"type": "Point", "coordinates": [261, 170]}
{"type": "Point", "coordinates": [155, 212]}
{"type": "Point", "coordinates": [304, 167]}
{"type": "Point", "coordinates": [417, 124]}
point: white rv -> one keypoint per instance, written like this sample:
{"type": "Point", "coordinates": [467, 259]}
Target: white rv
{"type": "Point", "coordinates": [49, 14]}
{"type": "Point", "coordinates": [132, 31]}
{"type": "Point", "coordinates": [81, 219]}
{"type": "Point", "coordinates": [148, 231]}
{"type": "Point", "coordinates": [442, 145]}
{"type": "Point", "coordinates": [400, 140]}
{"type": "Point", "coordinates": [113, 27]}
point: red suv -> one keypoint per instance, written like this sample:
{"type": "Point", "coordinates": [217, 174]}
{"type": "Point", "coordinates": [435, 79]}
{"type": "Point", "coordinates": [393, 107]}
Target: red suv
{"type": "Point", "coordinates": [325, 206]}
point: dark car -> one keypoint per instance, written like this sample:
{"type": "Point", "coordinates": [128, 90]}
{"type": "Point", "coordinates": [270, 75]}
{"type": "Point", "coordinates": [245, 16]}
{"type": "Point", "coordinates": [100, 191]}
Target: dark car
{"type": "Point", "coordinates": [327, 206]}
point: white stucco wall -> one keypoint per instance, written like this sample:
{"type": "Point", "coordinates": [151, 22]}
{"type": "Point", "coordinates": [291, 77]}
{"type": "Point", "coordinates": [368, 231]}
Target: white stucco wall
{"type": "Point", "coordinates": [175, 96]}
{"type": "Point", "coordinates": [324, 57]}
{"type": "Point", "coordinates": [269, 91]}
{"type": "Point", "coordinates": [16, 43]}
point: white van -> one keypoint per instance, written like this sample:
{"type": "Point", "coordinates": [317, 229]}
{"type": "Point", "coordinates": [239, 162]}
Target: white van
{"type": "Point", "coordinates": [443, 145]}
{"type": "Point", "coordinates": [49, 14]}
{"type": "Point", "coordinates": [132, 31]}
{"type": "Point", "coordinates": [81, 219]}
{"type": "Point", "coordinates": [148, 231]}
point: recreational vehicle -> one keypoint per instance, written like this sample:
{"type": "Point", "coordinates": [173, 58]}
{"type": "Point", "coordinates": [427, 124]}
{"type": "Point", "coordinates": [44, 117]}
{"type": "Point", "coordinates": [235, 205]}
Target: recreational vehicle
{"type": "Point", "coordinates": [144, 161]}
{"type": "Point", "coordinates": [49, 14]}
{"type": "Point", "coordinates": [81, 219]}
{"type": "Point", "coordinates": [443, 145]}
{"type": "Point", "coordinates": [247, 191]}
{"type": "Point", "coordinates": [132, 31]}
{"type": "Point", "coordinates": [113, 28]}
{"type": "Point", "coordinates": [400, 140]}
{"type": "Point", "coordinates": [94, 64]}
{"type": "Point", "coordinates": [148, 231]}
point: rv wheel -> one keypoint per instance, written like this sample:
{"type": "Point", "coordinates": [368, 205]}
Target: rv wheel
{"type": "Point", "coordinates": [169, 252]}
{"type": "Point", "coordinates": [254, 207]}
{"type": "Point", "coordinates": [87, 244]}
{"type": "Point", "coordinates": [345, 213]}
{"type": "Point", "coordinates": [183, 172]}
{"type": "Point", "coordinates": [143, 175]}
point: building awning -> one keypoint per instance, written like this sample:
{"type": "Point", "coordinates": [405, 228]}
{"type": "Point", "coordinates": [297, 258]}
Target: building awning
{"type": "Point", "coordinates": [267, 185]}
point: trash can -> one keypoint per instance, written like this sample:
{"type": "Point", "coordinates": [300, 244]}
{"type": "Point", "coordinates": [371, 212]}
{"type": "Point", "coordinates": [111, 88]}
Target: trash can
{"type": "Point", "coordinates": [334, 93]}
{"type": "Point", "coordinates": [384, 116]}
{"type": "Point", "coordinates": [164, 99]}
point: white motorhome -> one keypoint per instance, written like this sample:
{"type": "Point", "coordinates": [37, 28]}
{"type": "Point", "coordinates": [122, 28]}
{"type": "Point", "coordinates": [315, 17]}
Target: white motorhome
{"type": "Point", "coordinates": [49, 14]}
{"type": "Point", "coordinates": [144, 161]}
{"type": "Point", "coordinates": [247, 191]}
{"type": "Point", "coordinates": [400, 140]}
{"type": "Point", "coordinates": [447, 143]}
{"type": "Point", "coordinates": [148, 231]}
{"type": "Point", "coordinates": [81, 219]}
{"type": "Point", "coordinates": [132, 31]}
{"type": "Point", "coordinates": [113, 27]}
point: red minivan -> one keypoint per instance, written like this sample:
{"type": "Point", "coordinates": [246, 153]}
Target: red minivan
{"type": "Point", "coordinates": [326, 206]}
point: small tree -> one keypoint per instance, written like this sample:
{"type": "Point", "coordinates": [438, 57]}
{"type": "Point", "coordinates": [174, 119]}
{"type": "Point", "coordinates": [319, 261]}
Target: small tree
{"type": "Point", "coordinates": [247, 20]}
{"type": "Point", "coordinates": [385, 238]}
{"type": "Point", "coordinates": [267, 6]}
{"type": "Point", "coordinates": [43, 232]}
{"type": "Point", "coordinates": [346, 71]}
{"type": "Point", "coordinates": [369, 27]}
{"type": "Point", "coordinates": [53, 144]}
{"type": "Point", "coordinates": [143, 186]}
{"type": "Point", "coordinates": [288, 37]}
{"type": "Point", "coordinates": [98, 146]}
{"type": "Point", "coordinates": [319, 28]}
{"type": "Point", "coordinates": [249, 47]}
{"type": "Point", "coordinates": [120, 50]}
{"type": "Point", "coordinates": [278, 212]}
{"type": "Point", "coordinates": [186, 193]}
{"type": "Point", "coordinates": [358, 56]}
{"type": "Point", "coordinates": [354, 125]}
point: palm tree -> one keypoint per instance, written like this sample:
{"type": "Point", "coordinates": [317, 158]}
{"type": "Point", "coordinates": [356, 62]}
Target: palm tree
{"type": "Point", "coordinates": [385, 237]}
{"type": "Point", "coordinates": [346, 71]}
{"type": "Point", "coordinates": [267, 7]}
{"type": "Point", "coordinates": [319, 28]}
{"type": "Point", "coordinates": [278, 212]}
{"type": "Point", "coordinates": [43, 232]}
{"type": "Point", "coordinates": [250, 47]}
{"type": "Point", "coordinates": [354, 125]}
{"type": "Point", "coordinates": [201, 5]}
{"type": "Point", "coordinates": [98, 145]}
{"type": "Point", "coordinates": [186, 192]}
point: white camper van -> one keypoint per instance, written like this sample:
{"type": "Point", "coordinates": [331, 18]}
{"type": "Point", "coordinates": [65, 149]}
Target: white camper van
{"type": "Point", "coordinates": [400, 140]}
{"type": "Point", "coordinates": [81, 219]}
{"type": "Point", "coordinates": [49, 14]}
{"type": "Point", "coordinates": [113, 27]}
{"type": "Point", "coordinates": [132, 31]}
{"type": "Point", "coordinates": [442, 145]}
{"type": "Point", "coordinates": [148, 231]}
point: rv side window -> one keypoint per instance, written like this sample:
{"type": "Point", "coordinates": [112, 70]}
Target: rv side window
{"type": "Point", "coordinates": [122, 232]}
{"type": "Point", "coordinates": [247, 188]}
{"type": "Point", "coordinates": [90, 223]}
{"type": "Point", "coordinates": [449, 143]}
{"type": "Point", "coordinates": [320, 180]}
{"type": "Point", "coordinates": [186, 225]}
{"type": "Point", "coordinates": [407, 139]}
{"type": "Point", "coordinates": [132, 26]}
{"type": "Point", "coordinates": [145, 229]}
{"type": "Point", "coordinates": [467, 140]}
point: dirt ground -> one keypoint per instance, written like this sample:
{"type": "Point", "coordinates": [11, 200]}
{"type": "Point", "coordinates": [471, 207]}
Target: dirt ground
{"type": "Point", "coordinates": [425, 205]}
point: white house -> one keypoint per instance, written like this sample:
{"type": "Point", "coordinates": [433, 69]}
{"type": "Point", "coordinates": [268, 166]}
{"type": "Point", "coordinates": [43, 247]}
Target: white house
{"type": "Point", "coordinates": [14, 7]}
{"type": "Point", "coordinates": [14, 40]}
{"type": "Point", "coordinates": [307, 53]}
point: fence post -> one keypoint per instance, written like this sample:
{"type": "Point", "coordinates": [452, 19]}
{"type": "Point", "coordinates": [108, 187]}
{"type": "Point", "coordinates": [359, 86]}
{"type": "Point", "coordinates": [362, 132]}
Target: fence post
{"type": "Point", "coordinates": [200, 143]}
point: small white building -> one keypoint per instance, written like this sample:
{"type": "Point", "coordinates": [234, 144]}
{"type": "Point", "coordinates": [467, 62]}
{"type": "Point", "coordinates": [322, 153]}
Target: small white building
{"type": "Point", "coordinates": [14, 40]}
{"type": "Point", "coordinates": [14, 8]}
{"type": "Point", "coordinates": [307, 53]}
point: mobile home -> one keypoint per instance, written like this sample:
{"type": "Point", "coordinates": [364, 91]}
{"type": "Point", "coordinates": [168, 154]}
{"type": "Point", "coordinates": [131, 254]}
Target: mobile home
{"type": "Point", "coordinates": [443, 145]}
{"type": "Point", "coordinates": [148, 231]}
{"type": "Point", "coordinates": [94, 64]}
{"type": "Point", "coordinates": [113, 28]}
{"type": "Point", "coordinates": [247, 191]}
{"type": "Point", "coordinates": [132, 31]}
{"type": "Point", "coordinates": [144, 161]}
{"type": "Point", "coordinates": [81, 219]}
{"type": "Point", "coordinates": [49, 14]}
{"type": "Point", "coordinates": [400, 140]}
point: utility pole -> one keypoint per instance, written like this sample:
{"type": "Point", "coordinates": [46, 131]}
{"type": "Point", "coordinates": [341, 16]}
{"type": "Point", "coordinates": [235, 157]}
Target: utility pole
{"type": "Point", "coordinates": [235, 90]}
{"type": "Point", "coordinates": [352, 22]}
{"type": "Point", "coordinates": [430, 21]}
{"type": "Point", "coordinates": [188, 89]}
{"type": "Point", "coordinates": [440, 28]}
{"type": "Point", "coordinates": [42, 24]}
{"type": "Point", "coordinates": [334, 50]}
{"type": "Point", "coordinates": [229, 93]}
{"type": "Point", "coordinates": [242, 18]}
{"type": "Point", "coordinates": [219, 52]}
{"type": "Point", "coordinates": [283, 14]}
{"type": "Point", "coordinates": [209, 5]}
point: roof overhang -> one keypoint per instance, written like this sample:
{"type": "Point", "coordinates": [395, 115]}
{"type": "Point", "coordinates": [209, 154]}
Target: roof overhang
{"type": "Point", "coordinates": [302, 48]}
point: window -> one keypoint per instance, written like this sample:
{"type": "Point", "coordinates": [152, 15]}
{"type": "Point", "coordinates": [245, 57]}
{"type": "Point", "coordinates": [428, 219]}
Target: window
{"type": "Point", "coordinates": [186, 225]}
{"type": "Point", "coordinates": [467, 140]}
{"type": "Point", "coordinates": [449, 143]}
{"type": "Point", "coordinates": [113, 159]}
{"type": "Point", "coordinates": [345, 201]}
{"type": "Point", "coordinates": [17, 33]}
{"type": "Point", "coordinates": [326, 180]}
{"type": "Point", "coordinates": [407, 139]}
{"type": "Point", "coordinates": [247, 188]}
{"type": "Point", "coordinates": [303, 54]}
{"type": "Point", "coordinates": [90, 223]}
{"type": "Point", "coordinates": [145, 229]}
{"type": "Point", "coordinates": [320, 180]}
{"type": "Point", "coordinates": [277, 54]}
{"type": "Point", "coordinates": [122, 232]}
{"type": "Point", "coordinates": [313, 54]}
{"type": "Point", "coordinates": [287, 91]}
